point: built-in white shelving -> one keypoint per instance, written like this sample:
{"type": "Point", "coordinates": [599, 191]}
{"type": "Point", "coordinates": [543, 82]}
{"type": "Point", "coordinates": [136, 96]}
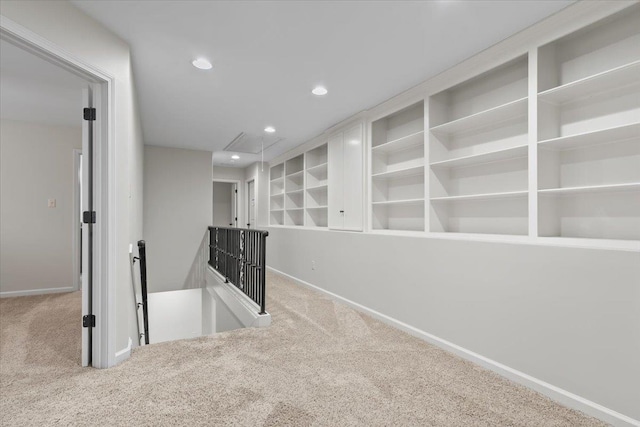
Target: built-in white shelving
{"type": "Point", "coordinates": [586, 139]}
{"type": "Point", "coordinates": [486, 118]}
{"type": "Point", "coordinates": [478, 150]}
{"type": "Point", "coordinates": [316, 170]}
{"type": "Point", "coordinates": [276, 199]}
{"type": "Point", "coordinates": [397, 170]}
{"type": "Point", "coordinates": [487, 157]}
{"type": "Point", "coordinates": [482, 196]}
{"type": "Point", "coordinates": [542, 148]}
{"type": "Point", "coordinates": [589, 132]}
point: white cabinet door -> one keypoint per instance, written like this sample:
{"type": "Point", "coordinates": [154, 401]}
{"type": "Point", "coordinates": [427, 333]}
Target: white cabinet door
{"type": "Point", "coordinates": [335, 175]}
{"type": "Point", "coordinates": [353, 178]}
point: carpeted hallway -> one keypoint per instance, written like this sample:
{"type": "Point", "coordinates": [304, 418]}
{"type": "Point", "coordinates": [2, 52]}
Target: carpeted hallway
{"type": "Point", "coordinates": [320, 363]}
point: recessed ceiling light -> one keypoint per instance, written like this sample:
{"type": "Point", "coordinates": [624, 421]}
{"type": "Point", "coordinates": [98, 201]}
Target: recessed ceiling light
{"type": "Point", "coordinates": [202, 64]}
{"type": "Point", "coordinates": [235, 157]}
{"type": "Point", "coordinates": [269, 129]}
{"type": "Point", "coordinates": [319, 90]}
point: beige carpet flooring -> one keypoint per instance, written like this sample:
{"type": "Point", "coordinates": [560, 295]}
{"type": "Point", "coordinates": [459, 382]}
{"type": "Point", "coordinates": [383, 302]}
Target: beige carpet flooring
{"type": "Point", "coordinates": [319, 364]}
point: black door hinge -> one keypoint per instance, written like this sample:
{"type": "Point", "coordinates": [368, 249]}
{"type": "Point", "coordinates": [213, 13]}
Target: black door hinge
{"type": "Point", "coordinates": [89, 217]}
{"type": "Point", "coordinates": [236, 191]}
{"type": "Point", "coordinates": [88, 321]}
{"type": "Point", "coordinates": [89, 114]}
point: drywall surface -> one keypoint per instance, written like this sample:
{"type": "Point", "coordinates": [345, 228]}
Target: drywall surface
{"type": "Point", "coordinates": [567, 316]}
{"type": "Point", "coordinates": [177, 212]}
{"type": "Point", "coordinates": [222, 204]}
{"type": "Point", "coordinates": [259, 172]}
{"type": "Point", "coordinates": [67, 27]}
{"type": "Point", "coordinates": [36, 164]}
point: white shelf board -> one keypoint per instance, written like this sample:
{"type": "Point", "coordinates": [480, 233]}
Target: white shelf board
{"type": "Point", "coordinates": [277, 194]}
{"type": "Point", "coordinates": [291, 175]}
{"type": "Point", "coordinates": [317, 207]}
{"type": "Point", "coordinates": [501, 113]}
{"type": "Point", "coordinates": [633, 186]}
{"type": "Point", "coordinates": [277, 179]}
{"type": "Point", "coordinates": [491, 156]}
{"type": "Point", "coordinates": [602, 136]}
{"type": "Point", "coordinates": [400, 173]}
{"type": "Point", "coordinates": [277, 210]}
{"type": "Point", "coordinates": [294, 209]}
{"type": "Point", "coordinates": [399, 202]}
{"type": "Point", "coordinates": [317, 167]}
{"type": "Point", "coordinates": [317, 187]}
{"type": "Point", "coordinates": [485, 196]}
{"type": "Point", "coordinates": [404, 143]}
{"type": "Point", "coordinates": [607, 80]}
{"type": "Point", "coordinates": [295, 191]}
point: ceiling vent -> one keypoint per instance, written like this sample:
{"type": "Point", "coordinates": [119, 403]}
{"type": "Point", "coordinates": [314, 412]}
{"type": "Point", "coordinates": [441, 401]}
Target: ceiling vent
{"type": "Point", "coordinates": [251, 144]}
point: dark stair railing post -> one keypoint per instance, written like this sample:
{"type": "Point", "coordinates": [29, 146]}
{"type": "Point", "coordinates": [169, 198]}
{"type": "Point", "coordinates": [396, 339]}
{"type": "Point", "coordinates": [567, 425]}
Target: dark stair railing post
{"type": "Point", "coordinates": [142, 253]}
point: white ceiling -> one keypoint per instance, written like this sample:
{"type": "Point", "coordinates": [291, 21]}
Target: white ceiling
{"type": "Point", "coordinates": [267, 56]}
{"type": "Point", "coordinates": [35, 90]}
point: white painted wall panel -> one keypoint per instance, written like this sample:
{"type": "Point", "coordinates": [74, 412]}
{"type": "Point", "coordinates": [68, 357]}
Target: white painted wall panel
{"type": "Point", "coordinates": [567, 316]}
{"type": "Point", "coordinates": [36, 164]}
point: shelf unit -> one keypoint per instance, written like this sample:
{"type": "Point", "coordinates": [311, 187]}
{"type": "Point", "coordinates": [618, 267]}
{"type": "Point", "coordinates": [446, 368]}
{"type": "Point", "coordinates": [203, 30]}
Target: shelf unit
{"type": "Point", "coordinates": [478, 151]}
{"type": "Point", "coordinates": [397, 170]}
{"type": "Point", "coordinates": [542, 148]}
{"type": "Point", "coordinates": [589, 132]}
{"type": "Point", "coordinates": [294, 191]}
{"type": "Point", "coordinates": [276, 195]}
{"type": "Point", "coordinates": [316, 169]}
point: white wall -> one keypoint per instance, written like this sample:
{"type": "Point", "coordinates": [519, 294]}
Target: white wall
{"type": "Point", "coordinates": [36, 164]}
{"type": "Point", "coordinates": [177, 212]}
{"type": "Point", "coordinates": [260, 175]}
{"type": "Point", "coordinates": [222, 198]}
{"type": "Point", "coordinates": [567, 316]}
{"type": "Point", "coordinates": [66, 26]}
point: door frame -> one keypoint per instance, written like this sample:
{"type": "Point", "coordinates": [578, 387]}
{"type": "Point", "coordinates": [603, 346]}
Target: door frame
{"type": "Point", "coordinates": [104, 268]}
{"type": "Point", "coordinates": [76, 244]}
{"type": "Point", "coordinates": [239, 204]}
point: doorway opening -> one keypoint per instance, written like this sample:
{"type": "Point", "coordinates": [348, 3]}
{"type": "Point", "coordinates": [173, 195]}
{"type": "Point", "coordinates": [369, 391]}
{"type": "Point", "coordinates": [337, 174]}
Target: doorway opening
{"type": "Point", "coordinates": [225, 203]}
{"type": "Point", "coordinates": [38, 96]}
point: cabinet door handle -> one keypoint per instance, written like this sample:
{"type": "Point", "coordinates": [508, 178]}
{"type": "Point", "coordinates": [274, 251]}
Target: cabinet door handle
{"type": "Point", "coordinates": [341, 211]}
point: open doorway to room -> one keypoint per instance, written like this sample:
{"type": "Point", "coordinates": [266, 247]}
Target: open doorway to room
{"type": "Point", "coordinates": [225, 203]}
{"type": "Point", "coordinates": [45, 128]}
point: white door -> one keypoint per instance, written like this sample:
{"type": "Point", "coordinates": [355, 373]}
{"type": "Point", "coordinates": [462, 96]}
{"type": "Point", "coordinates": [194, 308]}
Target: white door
{"type": "Point", "coordinates": [353, 179]}
{"type": "Point", "coordinates": [335, 175]}
{"type": "Point", "coordinates": [87, 229]}
{"type": "Point", "coordinates": [252, 204]}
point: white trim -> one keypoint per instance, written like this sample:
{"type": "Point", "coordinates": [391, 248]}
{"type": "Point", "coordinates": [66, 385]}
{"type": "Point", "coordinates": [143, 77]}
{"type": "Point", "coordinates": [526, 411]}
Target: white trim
{"type": "Point", "coordinates": [556, 393]}
{"type": "Point", "coordinates": [124, 353]}
{"type": "Point", "coordinates": [245, 310]}
{"type": "Point", "coordinates": [103, 352]}
{"type": "Point", "coordinates": [29, 292]}
{"type": "Point", "coordinates": [75, 219]}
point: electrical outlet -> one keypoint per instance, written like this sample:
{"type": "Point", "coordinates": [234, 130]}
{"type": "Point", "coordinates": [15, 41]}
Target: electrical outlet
{"type": "Point", "coordinates": [313, 265]}
{"type": "Point", "coordinates": [51, 203]}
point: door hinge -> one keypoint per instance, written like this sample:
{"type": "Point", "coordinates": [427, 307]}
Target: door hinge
{"type": "Point", "coordinates": [89, 114]}
{"type": "Point", "coordinates": [89, 217]}
{"type": "Point", "coordinates": [236, 191]}
{"type": "Point", "coordinates": [88, 321]}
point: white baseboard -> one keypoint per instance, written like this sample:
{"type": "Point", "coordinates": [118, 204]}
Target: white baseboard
{"type": "Point", "coordinates": [124, 353]}
{"type": "Point", "coordinates": [29, 292]}
{"type": "Point", "coordinates": [564, 397]}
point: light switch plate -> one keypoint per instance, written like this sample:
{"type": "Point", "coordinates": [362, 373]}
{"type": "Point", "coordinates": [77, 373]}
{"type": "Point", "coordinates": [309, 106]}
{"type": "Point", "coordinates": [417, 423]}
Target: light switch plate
{"type": "Point", "coordinates": [51, 203]}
